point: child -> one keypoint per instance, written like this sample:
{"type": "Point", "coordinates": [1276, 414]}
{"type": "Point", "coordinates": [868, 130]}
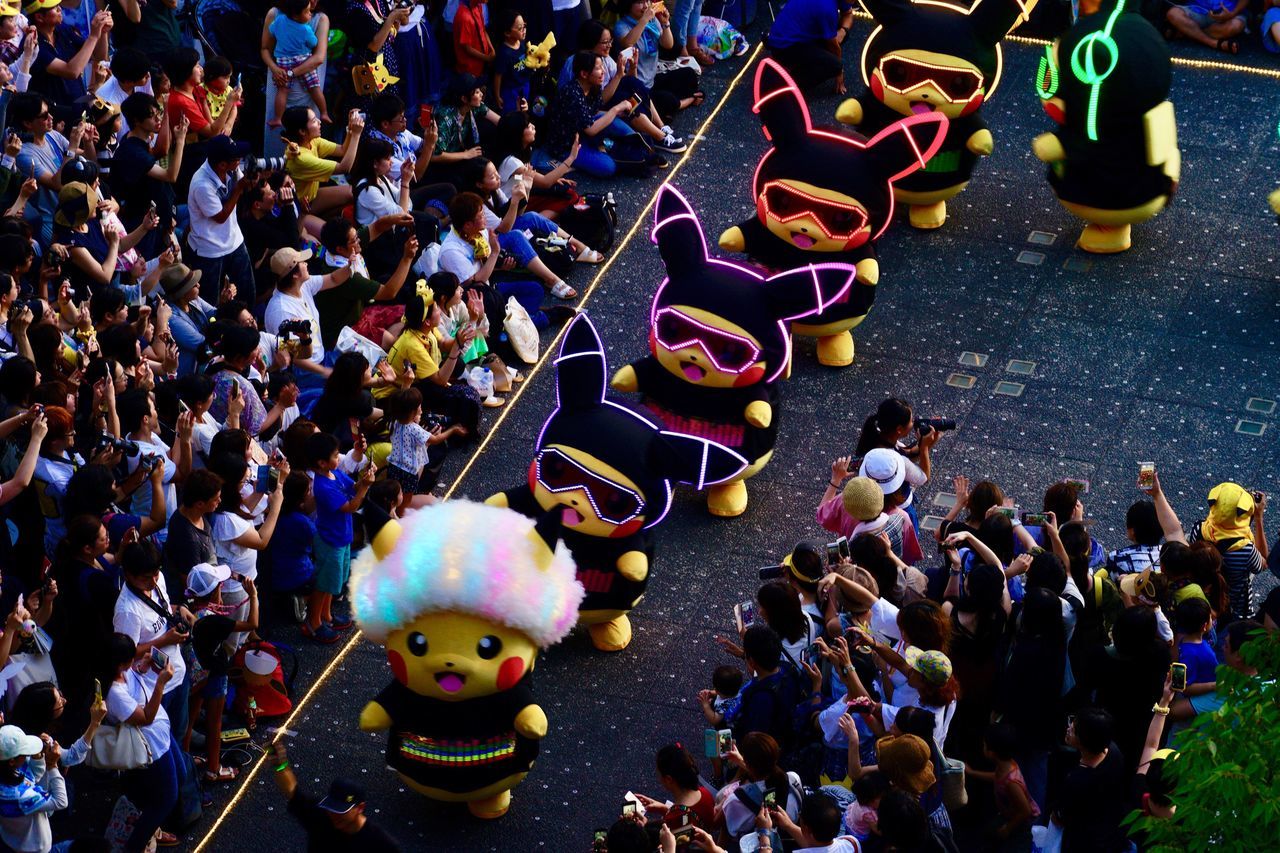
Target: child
{"type": "Point", "coordinates": [1192, 619]}
{"type": "Point", "coordinates": [411, 445]}
{"type": "Point", "coordinates": [293, 570]}
{"type": "Point", "coordinates": [721, 703]}
{"type": "Point", "coordinates": [381, 505]}
{"type": "Point", "coordinates": [212, 639]}
{"type": "Point", "coordinates": [292, 39]}
{"type": "Point", "coordinates": [217, 84]}
{"type": "Point", "coordinates": [1017, 809]}
{"type": "Point", "coordinates": [860, 817]}
{"type": "Point", "coordinates": [338, 497]}
{"type": "Point", "coordinates": [510, 74]}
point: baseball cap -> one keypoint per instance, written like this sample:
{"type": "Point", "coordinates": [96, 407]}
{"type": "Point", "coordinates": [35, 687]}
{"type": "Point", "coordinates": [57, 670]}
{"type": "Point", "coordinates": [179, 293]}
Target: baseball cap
{"type": "Point", "coordinates": [223, 149]}
{"type": "Point", "coordinates": [286, 259]}
{"type": "Point", "coordinates": [40, 5]}
{"type": "Point", "coordinates": [14, 742]}
{"type": "Point", "coordinates": [204, 579]}
{"type": "Point", "coordinates": [886, 467]}
{"type": "Point", "coordinates": [344, 795]}
{"type": "Point", "coordinates": [177, 280]}
{"type": "Point", "coordinates": [933, 665]}
{"type": "Point", "coordinates": [77, 201]}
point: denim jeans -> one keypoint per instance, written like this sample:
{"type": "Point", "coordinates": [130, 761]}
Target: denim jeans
{"type": "Point", "coordinates": [235, 265]}
{"type": "Point", "coordinates": [515, 241]}
{"type": "Point", "coordinates": [684, 23]}
{"type": "Point", "coordinates": [591, 161]}
{"type": "Point", "coordinates": [155, 790]}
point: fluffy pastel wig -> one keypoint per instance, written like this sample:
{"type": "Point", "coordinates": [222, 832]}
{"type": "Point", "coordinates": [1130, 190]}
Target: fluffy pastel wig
{"type": "Point", "coordinates": [464, 557]}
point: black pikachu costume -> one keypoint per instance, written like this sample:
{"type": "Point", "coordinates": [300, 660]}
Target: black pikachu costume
{"type": "Point", "coordinates": [632, 444]}
{"type": "Point", "coordinates": [854, 176]}
{"type": "Point", "coordinates": [938, 57]}
{"type": "Point", "coordinates": [1123, 166]}
{"type": "Point", "coordinates": [734, 297]}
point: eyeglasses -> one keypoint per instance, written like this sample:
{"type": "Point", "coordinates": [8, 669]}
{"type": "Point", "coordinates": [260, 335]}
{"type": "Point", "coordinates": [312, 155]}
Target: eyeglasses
{"type": "Point", "coordinates": [612, 502]}
{"type": "Point", "coordinates": [729, 353]}
{"type": "Point", "coordinates": [837, 220]}
{"type": "Point", "coordinates": [903, 75]}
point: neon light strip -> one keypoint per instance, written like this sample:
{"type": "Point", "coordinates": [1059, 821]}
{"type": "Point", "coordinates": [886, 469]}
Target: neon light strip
{"type": "Point", "coordinates": [700, 344]}
{"type": "Point", "coordinates": [1048, 70]}
{"type": "Point", "coordinates": [1086, 72]}
{"type": "Point", "coordinates": [357, 636]}
{"type": "Point", "coordinates": [586, 488]}
{"type": "Point", "coordinates": [968, 72]}
{"type": "Point", "coordinates": [813, 214]}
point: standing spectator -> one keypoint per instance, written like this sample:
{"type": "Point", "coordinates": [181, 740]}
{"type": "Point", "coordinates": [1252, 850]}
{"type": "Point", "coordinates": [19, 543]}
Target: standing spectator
{"type": "Point", "coordinates": [64, 54]}
{"type": "Point", "coordinates": [190, 540]}
{"type": "Point", "coordinates": [234, 394]}
{"type": "Point", "coordinates": [216, 243]}
{"type": "Point", "coordinates": [337, 823]}
{"type": "Point", "coordinates": [139, 420]}
{"type": "Point", "coordinates": [291, 38]}
{"type": "Point", "coordinates": [151, 27]}
{"type": "Point", "coordinates": [372, 28]}
{"type": "Point", "coordinates": [1094, 797]}
{"type": "Point", "coordinates": [472, 50]}
{"type": "Point", "coordinates": [807, 39]}
{"type": "Point", "coordinates": [139, 179]}
{"type": "Point", "coordinates": [25, 806]}
{"type": "Point", "coordinates": [316, 61]}
{"type": "Point", "coordinates": [292, 568]}
{"type": "Point", "coordinates": [187, 99]}
{"type": "Point", "coordinates": [338, 498]}
{"type": "Point", "coordinates": [1142, 526]}
{"type": "Point", "coordinates": [44, 150]}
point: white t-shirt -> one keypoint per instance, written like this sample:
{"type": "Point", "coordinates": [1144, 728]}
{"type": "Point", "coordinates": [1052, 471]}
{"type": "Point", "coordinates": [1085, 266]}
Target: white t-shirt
{"type": "Point", "coordinates": [459, 257]}
{"type": "Point", "coordinates": [739, 819]}
{"type": "Point", "coordinates": [941, 717]}
{"type": "Point", "coordinates": [202, 439]}
{"type": "Point", "coordinates": [123, 699]}
{"type": "Point", "coordinates": [143, 624]}
{"type": "Point", "coordinates": [302, 307]}
{"type": "Point", "coordinates": [50, 480]}
{"type": "Point", "coordinates": [843, 844]}
{"type": "Point", "coordinates": [205, 199]}
{"type": "Point", "coordinates": [375, 199]}
{"type": "Point", "coordinates": [140, 502]}
{"type": "Point", "coordinates": [507, 173]}
{"type": "Point", "coordinates": [225, 528]}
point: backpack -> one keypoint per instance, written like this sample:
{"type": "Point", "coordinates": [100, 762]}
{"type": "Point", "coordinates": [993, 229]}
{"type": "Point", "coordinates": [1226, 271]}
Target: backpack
{"type": "Point", "coordinates": [593, 219]}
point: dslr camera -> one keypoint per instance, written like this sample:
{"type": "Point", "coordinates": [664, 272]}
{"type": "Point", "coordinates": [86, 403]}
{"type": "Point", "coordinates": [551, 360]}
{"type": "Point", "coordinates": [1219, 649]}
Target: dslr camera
{"type": "Point", "coordinates": [940, 424]}
{"type": "Point", "coordinates": [432, 420]}
{"type": "Point", "coordinates": [124, 445]}
{"type": "Point", "coordinates": [255, 166]}
{"type": "Point", "coordinates": [300, 329]}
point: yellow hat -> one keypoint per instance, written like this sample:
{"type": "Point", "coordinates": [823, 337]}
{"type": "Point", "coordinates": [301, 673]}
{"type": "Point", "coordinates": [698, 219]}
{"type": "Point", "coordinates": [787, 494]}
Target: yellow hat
{"type": "Point", "coordinates": [9, 9]}
{"type": "Point", "coordinates": [77, 201]}
{"type": "Point", "coordinates": [40, 5]}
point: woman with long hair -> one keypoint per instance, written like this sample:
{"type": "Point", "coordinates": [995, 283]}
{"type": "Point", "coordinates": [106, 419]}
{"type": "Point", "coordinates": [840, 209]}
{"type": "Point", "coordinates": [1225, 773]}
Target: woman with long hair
{"type": "Point", "coordinates": [756, 757]}
{"type": "Point", "coordinates": [979, 608]}
{"type": "Point", "coordinates": [974, 502]}
{"type": "Point", "coordinates": [346, 395]}
{"type": "Point", "coordinates": [685, 793]}
{"type": "Point", "coordinates": [780, 608]}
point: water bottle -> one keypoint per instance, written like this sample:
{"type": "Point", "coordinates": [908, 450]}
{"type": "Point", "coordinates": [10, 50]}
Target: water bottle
{"type": "Point", "coordinates": [251, 715]}
{"type": "Point", "coordinates": [486, 383]}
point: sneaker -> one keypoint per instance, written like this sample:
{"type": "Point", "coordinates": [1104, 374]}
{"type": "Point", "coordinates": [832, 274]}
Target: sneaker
{"type": "Point", "coordinates": [656, 161]}
{"type": "Point", "coordinates": [298, 605]}
{"type": "Point", "coordinates": [340, 623]}
{"type": "Point", "coordinates": [671, 144]}
{"type": "Point", "coordinates": [325, 635]}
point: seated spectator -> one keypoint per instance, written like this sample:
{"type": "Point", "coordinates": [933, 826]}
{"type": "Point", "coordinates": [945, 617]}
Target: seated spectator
{"type": "Point", "coordinates": [688, 800]}
{"type": "Point", "coordinates": [44, 150]}
{"type": "Point", "coordinates": [347, 397]}
{"type": "Point", "coordinates": [294, 300]}
{"type": "Point", "coordinates": [340, 307]}
{"type": "Point", "coordinates": [376, 196]}
{"type": "Point", "coordinates": [214, 238]}
{"type": "Point", "coordinates": [1212, 23]}
{"type": "Point", "coordinates": [387, 122]}
{"type": "Point", "coordinates": [458, 133]}
{"type": "Point", "coordinates": [808, 38]}
{"type": "Point", "coordinates": [270, 220]}
{"type": "Point", "coordinates": [505, 214]}
{"type": "Point", "coordinates": [312, 160]}
{"type": "Point", "coordinates": [646, 26]}
{"type": "Point", "coordinates": [577, 117]}
{"type": "Point", "coordinates": [513, 148]}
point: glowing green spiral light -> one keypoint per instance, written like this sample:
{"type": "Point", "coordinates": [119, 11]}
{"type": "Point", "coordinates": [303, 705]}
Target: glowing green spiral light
{"type": "Point", "coordinates": [1084, 66]}
{"type": "Point", "coordinates": [1048, 71]}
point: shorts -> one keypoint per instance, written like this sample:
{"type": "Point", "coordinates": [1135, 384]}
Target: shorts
{"type": "Point", "coordinates": [333, 566]}
{"type": "Point", "coordinates": [407, 479]}
{"type": "Point", "coordinates": [1201, 19]}
{"type": "Point", "coordinates": [1206, 703]}
{"type": "Point", "coordinates": [215, 687]}
{"type": "Point", "coordinates": [310, 80]}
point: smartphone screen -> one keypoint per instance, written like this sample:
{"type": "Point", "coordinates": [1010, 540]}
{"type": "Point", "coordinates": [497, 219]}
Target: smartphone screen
{"type": "Point", "coordinates": [263, 479]}
{"type": "Point", "coordinates": [1178, 676]}
{"type": "Point", "coordinates": [1146, 475]}
{"type": "Point", "coordinates": [159, 660]}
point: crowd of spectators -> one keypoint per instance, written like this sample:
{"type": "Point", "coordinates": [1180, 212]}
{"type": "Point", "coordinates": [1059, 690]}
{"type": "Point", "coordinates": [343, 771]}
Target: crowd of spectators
{"type": "Point", "coordinates": [218, 363]}
{"type": "Point", "coordinates": [1029, 682]}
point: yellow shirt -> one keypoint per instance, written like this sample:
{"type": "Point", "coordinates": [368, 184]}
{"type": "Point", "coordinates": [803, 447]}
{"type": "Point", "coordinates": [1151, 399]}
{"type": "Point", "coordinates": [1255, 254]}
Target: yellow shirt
{"type": "Point", "coordinates": [215, 101]}
{"type": "Point", "coordinates": [310, 164]}
{"type": "Point", "coordinates": [421, 348]}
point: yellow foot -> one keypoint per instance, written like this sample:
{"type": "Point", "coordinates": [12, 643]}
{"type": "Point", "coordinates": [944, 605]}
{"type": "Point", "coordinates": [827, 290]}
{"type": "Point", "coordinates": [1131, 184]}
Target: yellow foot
{"type": "Point", "coordinates": [926, 217]}
{"type": "Point", "coordinates": [728, 500]}
{"type": "Point", "coordinates": [836, 350]}
{"type": "Point", "coordinates": [1105, 239]}
{"type": "Point", "coordinates": [611, 636]}
{"type": "Point", "coordinates": [491, 808]}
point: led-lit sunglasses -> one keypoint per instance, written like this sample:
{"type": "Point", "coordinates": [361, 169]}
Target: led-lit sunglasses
{"type": "Point", "coordinates": [902, 75]}
{"type": "Point", "coordinates": [729, 353]}
{"type": "Point", "coordinates": [838, 221]}
{"type": "Point", "coordinates": [612, 502]}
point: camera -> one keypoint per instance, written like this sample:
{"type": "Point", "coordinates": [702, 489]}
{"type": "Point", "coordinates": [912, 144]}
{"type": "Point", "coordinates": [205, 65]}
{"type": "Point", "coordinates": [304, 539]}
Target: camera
{"type": "Point", "coordinates": [432, 420]}
{"type": "Point", "coordinates": [149, 461]}
{"type": "Point", "coordinates": [18, 304]}
{"type": "Point", "coordinates": [300, 329]}
{"type": "Point", "coordinates": [838, 550]}
{"type": "Point", "coordinates": [255, 166]}
{"type": "Point", "coordinates": [124, 445]}
{"type": "Point", "coordinates": [940, 424]}
{"type": "Point", "coordinates": [769, 573]}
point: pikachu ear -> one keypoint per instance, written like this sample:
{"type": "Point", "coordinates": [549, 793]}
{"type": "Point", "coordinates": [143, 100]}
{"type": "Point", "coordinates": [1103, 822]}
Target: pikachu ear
{"type": "Point", "coordinates": [678, 233]}
{"type": "Point", "coordinates": [781, 107]}
{"type": "Point", "coordinates": [886, 12]}
{"type": "Point", "coordinates": [580, 368]}
{"type": "Point", "coordinates": [385, 542]}
{"type": "Point", "coordinates": [906, 145]}
{"type": "Point", "coordinates": [992, 20]}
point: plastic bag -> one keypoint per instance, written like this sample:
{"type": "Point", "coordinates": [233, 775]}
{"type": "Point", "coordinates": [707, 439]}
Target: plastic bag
{"type": "Point", "coordinates": [521, 332]}
{"type": "Point", "coordinates": [720, 38]}
{"type": "Point", "coordinates": [349, 340]}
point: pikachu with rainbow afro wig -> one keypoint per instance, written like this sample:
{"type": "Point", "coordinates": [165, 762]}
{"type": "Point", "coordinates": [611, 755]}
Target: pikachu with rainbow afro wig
{"type": "Point", "coordinates": [463, 596]}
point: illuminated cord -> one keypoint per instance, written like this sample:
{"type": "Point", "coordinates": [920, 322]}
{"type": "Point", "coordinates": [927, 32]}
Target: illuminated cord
{"type": "Point", "coordinates": [641, 219]}
{"type": "Point", "coordinates": [1087, 72]}
{"type": "Point", "coordinates": [1047, 70]}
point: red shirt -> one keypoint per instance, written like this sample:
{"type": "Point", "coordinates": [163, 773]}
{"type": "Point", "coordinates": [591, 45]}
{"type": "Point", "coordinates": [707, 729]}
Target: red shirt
{"type": "Point", "coordinates": [468, 29]}
{"type": "Point", "coordinates": [195, 110]}
{"type": "Point", "coordinates": [703, 812]}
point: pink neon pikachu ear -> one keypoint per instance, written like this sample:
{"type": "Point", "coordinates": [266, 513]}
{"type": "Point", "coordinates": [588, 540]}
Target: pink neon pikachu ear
{"type": "Point", "coordinates": [906, 145]}
{"type": "Point", "coordinates": [784, 115]}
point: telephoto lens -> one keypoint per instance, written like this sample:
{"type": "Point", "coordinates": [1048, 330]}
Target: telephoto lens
{"type": "Point", "coordinates": [940, 424]}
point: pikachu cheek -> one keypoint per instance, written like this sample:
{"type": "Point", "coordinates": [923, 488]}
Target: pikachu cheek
{"type": "Point", "coordinates": [510, 673]}
{"type": "Point", "coordinates": [750, 376]}
{"type": "Point", "coordinates": [398, 669]}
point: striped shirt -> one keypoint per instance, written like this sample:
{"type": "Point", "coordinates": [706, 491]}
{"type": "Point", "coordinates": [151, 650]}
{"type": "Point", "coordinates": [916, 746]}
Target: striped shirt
{"type": "Point", "coordinates": [1238, 568]}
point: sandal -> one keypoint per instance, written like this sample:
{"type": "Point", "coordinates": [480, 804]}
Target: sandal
{"type": "Point", "coordinates": [1229, 45]}
{"type": "Point", "coordinates": [166, 839]}
{"type": "Point", "coordinates": [224, 774]}
{"type": "Point", "coordinates": [589, 255]}
{"type": "Point", "coordinates": [698, 98]}
{"type": "Point", "coordinates": [561, 290]}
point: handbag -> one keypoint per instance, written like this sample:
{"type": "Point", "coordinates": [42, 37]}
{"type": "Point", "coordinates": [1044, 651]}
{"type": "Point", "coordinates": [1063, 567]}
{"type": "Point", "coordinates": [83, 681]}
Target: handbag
{"type": "Point", "coordinates": [120, 826]}
{"type": "Point", "coordinates": [119, 747]}
{"type": "Point", "coordinates": [521, 331]}
{"type": "Point", "coordinates": [954, 795]}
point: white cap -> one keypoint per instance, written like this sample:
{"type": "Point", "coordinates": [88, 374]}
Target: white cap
{"type": "Point", "coordinates": [203, 579]}
{"type": "Point", "coordinates": [15, 742]}
{"type": "Point", "coordinates": [886, 466]}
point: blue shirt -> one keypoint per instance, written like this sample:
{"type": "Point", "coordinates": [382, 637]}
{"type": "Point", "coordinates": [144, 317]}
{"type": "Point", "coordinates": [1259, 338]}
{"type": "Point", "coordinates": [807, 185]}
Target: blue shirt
{"type": "Point", "coordinates": [291, 560]}
{"type": "Point", "coordinates": [1202, 664]}
{"type": "Point", "coordinates": [332, 524]}
{"type": "Point", "coordinates": [804, 22]}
